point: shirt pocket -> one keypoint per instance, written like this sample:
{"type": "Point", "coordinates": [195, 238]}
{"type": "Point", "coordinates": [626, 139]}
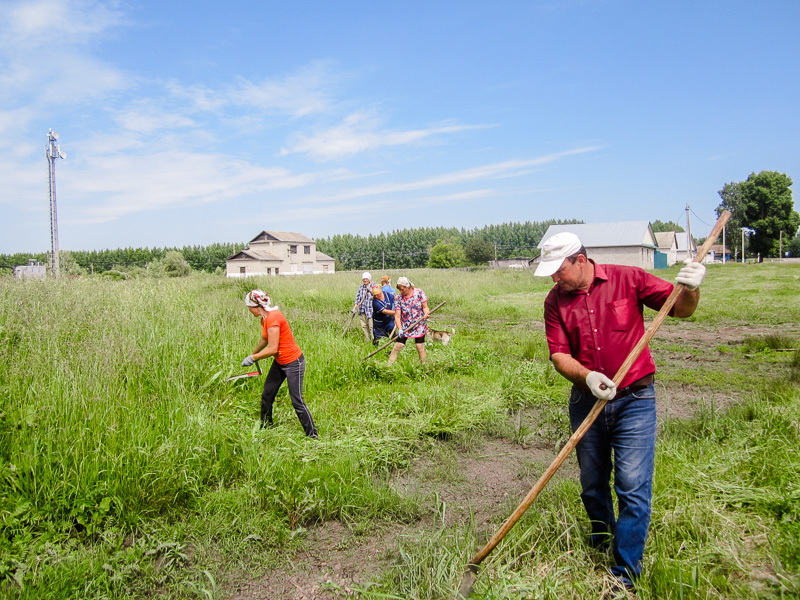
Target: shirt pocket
{"type": "Point", "coordinates": [622, 314]}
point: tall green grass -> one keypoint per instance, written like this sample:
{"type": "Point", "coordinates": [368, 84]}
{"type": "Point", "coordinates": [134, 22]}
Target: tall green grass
{"type": "Point", "coordinates": [127, 465]}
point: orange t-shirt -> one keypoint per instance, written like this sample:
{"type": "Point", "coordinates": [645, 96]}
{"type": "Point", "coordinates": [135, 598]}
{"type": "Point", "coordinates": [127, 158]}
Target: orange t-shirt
{"type": "Point", "coordinates": [288, 350]}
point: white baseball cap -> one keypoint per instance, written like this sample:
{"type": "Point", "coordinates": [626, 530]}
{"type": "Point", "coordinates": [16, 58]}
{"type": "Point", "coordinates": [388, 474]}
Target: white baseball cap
{"type": "Point", "coordinates": [366, 275]}
{"type": "Point", "coordinates": [555, 250]}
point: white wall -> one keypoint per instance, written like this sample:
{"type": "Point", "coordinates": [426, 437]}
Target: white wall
{"type": "Point", "coordinates": [631, 256]}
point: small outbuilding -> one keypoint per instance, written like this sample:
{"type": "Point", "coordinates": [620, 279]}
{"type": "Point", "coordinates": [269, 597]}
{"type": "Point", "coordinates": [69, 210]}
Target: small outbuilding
{"type": "Point", "coordinates": [279, 253]}
{"type": "Point", "coordinates": [517, 262]}
{"type": "Point", "coordinates": [630, 243]}
{"type": "Point", "coordinates": [668, 247]}
{"type": "Point", "coordinates": [33, 270]}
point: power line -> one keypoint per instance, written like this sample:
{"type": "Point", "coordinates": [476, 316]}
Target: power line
{"type": "Point", "coordinates": [698, 218]}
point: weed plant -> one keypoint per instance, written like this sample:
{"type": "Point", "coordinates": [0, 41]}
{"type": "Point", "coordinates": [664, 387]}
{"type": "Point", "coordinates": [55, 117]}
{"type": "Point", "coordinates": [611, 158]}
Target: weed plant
{"type": "Point", "coordinates": [127, 466]}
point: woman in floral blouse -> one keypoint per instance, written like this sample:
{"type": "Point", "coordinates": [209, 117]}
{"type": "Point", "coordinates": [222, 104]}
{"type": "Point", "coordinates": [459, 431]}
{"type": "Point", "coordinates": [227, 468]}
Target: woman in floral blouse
{"type": "Point", "coordinates": [410, 305]}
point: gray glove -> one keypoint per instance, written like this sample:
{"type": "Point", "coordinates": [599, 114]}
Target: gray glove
{"type": "Point", "coordinates": [601, 386]}
{"type": "Point", "coordinates": [248, 362]}
{"type": "Point", "coordinates": [691, 275]}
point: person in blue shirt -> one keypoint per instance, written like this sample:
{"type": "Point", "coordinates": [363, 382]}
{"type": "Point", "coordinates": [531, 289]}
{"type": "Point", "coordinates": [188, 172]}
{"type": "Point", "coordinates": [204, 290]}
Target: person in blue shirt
{"type": "Point", "coordinates": [382, 313]}
{"type": "Point", "coordinates": [387, 288]}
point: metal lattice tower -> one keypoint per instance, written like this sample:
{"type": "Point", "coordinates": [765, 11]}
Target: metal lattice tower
{"type": "Point", "coordinates": [52, 151]}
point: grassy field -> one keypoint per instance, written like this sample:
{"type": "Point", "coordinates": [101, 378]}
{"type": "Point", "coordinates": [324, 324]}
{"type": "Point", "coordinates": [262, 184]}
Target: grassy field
{"type": "Point", "coordinates": [128, 468]}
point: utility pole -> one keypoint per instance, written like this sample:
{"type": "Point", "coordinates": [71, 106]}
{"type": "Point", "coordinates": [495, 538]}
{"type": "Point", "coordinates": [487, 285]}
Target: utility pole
{"type": "Point", "coordinates": [780, 248]}
{"type": "Point", "coordinates": [688, 234]}
{"type": "Point", "coordinates": [52, 151]}
{"type": "Point", "coordinates": [723, 245]}
{"type": "Point", "coordinates": [744, 260]}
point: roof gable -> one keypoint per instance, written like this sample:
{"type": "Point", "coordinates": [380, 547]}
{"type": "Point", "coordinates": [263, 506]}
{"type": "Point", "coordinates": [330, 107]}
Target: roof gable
{"type": "Point", "coordinates": [254, 254]}
{"type": "Point", "coordinates": [667, 239]}
{"type": "Point", "coordinates": [604, 235]}
{"type": "Point", "coordinates": [282, 236]}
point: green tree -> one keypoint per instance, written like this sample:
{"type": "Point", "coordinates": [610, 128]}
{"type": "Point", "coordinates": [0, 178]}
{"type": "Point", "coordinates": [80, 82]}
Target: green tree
{"type": "Point", "coordinates": [733, 201]}
{"type": "Point", "coordinates": [68, 264]}
{"type": "Point", "coordinates": [478, 251]}
{"type": "Point", "coordinates": [769, 210]}
{"type": "Point", "coordinates": [793, 247]}
{"type": "Point", "coordinates": [446, 254]}
{"type": "Point", "coordinates": [668, 226]}
{"type": "Point", "coordinates": [175, 265]}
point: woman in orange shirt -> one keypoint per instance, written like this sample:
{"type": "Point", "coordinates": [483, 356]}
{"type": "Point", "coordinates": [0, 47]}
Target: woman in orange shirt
{"type": "Point", "coordinates": [289, 364]}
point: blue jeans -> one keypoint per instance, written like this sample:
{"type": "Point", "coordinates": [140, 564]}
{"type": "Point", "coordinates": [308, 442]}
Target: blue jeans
{"type": "Point", "coordinates": [626, 427]}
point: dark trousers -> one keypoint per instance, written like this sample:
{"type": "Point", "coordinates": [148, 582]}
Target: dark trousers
{"type": "Point", "coordinates": [292, 373]}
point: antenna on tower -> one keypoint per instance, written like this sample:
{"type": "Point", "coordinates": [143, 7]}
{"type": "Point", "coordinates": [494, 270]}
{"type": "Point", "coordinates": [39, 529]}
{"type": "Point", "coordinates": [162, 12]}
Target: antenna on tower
{"type": "Point", "coordinates": [52, 151]}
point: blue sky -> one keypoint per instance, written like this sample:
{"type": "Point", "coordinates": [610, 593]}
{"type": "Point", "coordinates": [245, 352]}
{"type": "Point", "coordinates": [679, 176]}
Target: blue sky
{"type": "Point", "coordinates": [201, 122]}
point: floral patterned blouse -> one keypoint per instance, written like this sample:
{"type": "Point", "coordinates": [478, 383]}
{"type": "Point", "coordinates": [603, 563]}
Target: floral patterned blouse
{"type": "Point", "coordinates": [411, 310]}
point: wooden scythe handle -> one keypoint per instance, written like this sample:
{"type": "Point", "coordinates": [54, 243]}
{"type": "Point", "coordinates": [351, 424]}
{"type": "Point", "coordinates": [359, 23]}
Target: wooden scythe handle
{"type": "Point", "coordinates": [590, 418]}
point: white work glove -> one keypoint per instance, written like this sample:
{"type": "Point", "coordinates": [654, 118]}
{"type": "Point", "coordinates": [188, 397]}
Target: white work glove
{"type": "Point", "coordinates": [248, 362]}
{"type": "Point", "coordinates": [691, 275]}
{"type": "Point", "coordinates": [597, 382]}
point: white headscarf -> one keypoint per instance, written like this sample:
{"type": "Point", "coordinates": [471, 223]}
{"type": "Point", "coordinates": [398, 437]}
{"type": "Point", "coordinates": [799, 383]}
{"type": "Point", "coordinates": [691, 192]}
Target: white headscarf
{"type": "Point", "coordinates": [258, 298]}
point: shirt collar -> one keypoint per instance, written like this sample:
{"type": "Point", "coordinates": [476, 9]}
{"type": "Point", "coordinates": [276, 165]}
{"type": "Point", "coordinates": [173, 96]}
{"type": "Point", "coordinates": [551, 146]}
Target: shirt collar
{"type": "Point", "coordinates": [599, 273]}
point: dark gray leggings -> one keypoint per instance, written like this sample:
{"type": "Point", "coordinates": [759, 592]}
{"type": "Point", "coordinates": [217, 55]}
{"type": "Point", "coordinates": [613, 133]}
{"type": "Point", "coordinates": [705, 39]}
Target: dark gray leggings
{"type": "Point", "coordinates": [293, 374]}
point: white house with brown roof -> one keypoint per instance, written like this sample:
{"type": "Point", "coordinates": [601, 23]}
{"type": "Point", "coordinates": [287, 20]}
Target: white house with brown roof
{"type": "Point", "coordinates": [279, 253]}
{"type": "Point", "coordinates": [668, 244]}
{"type": "Point", "coordinates": [631, 243]}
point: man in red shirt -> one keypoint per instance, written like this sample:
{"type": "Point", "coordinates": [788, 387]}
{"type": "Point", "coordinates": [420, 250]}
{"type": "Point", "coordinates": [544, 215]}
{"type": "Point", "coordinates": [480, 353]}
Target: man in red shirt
{"type": "Point", "coordinates": [289, 364]}
{"type": "Point", "coordinates": [593, 319]}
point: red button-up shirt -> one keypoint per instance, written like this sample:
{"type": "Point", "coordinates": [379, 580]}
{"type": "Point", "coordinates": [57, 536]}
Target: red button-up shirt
{"type": "Point", "coordinates": [601, 326]}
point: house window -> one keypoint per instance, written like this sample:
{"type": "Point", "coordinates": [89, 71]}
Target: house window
{"type": "Point", "coordinates": [324, 268]}
{"type": "Point", "coordinates": [277, 270]}
{"type": "Point", "coordinates": [306, 249]}
{"type": "Point", "coordinates": [269, 270]}
{"type": "Point", "coordinates": [242, 270]}
{"type": "Point", "coordinates": [293, 249]}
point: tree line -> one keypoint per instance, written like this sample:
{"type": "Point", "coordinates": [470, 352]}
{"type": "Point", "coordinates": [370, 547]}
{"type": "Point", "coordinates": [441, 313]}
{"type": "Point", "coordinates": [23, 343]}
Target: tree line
{"type": "Point", "coordinates": [762, 207]}
{"type": "Point", "coordinates": [436, 247]}
{"type": "Point", "coordinates": [74, 262]}
{"type": "Point", "coordinates": [401, 249]}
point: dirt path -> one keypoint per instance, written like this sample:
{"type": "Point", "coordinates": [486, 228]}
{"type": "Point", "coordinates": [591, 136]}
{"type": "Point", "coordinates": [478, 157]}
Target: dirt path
{"type": "Point", "coordinates": [484, 481]}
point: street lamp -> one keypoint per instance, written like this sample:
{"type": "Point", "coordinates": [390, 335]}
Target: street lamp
{"type": "Point", "coordinates": [52, 151]}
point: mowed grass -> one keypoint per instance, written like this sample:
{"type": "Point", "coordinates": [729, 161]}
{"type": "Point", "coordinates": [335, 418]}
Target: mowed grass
{"type": "Point", "coordinates": [128, 467]}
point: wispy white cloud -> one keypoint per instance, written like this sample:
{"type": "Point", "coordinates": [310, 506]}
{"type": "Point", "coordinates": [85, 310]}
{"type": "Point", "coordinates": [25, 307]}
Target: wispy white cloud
{"type": "Point", "coordinates": [45, 57]}
{"type": "Point", "coordinates": [379, 207]}
{"type": "Point", "coordinates": [306, 92]}
{"type": "Point", "coordinates": [300, 94]}
{"type": "Point", "coordinates": [55, 23]}
{"type": "Point", "coordinates": [361, 132]}
{"type": "Point", "coordinates": [123, 184]}
{"type": "Point", "coordinates": [501, 170]}
{"type": "Point", "coordinates": [147, 117]}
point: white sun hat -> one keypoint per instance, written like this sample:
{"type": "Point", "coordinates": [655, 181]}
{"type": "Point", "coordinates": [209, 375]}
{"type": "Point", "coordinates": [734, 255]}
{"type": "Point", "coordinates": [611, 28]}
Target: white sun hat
{"type": "Point", "coordinates": [555, 250]}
